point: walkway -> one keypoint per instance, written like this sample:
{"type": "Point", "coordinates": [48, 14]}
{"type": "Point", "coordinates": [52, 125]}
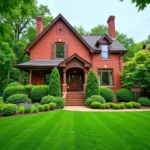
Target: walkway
{"type": "Point", "coordinates": [83, 108]}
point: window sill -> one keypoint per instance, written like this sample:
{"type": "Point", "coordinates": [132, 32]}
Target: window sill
{"type": "Point", "coordinates": [110, 86]}
{"type": "Point", "coordinates": [105, 59]}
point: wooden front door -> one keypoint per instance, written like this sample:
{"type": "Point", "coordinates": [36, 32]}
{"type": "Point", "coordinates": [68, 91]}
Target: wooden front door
{"type": "Point", "coordinates": [75, 81]}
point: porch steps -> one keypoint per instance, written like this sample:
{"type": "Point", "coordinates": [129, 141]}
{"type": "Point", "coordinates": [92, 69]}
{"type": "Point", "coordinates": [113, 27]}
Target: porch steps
{"type": "Point", "coordinates": [75, 99]}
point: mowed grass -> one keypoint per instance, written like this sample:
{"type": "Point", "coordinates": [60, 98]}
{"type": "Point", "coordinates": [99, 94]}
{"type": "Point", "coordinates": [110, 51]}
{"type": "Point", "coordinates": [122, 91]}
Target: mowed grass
{"type": "Point", "coordinates": [65, 130]}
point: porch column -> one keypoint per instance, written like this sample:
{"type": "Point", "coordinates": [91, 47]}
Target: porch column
{"type": "Point", "coordinates": [20, 79]}
{"type": "Point", "coordinates": [85, 79]}
{"type": "Point", "coordinates": [64, 85]}
{"type": "Point", "coordinates": [30, 77]}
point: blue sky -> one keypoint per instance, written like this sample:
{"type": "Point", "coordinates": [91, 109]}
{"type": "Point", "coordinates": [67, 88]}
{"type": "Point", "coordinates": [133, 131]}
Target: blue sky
{"type": "Point", "coordinates": [90, 13]}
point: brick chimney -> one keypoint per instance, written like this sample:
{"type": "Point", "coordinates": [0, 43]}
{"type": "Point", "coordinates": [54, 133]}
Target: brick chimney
{"type": "Point", "coordinates": [39, 25]}
{"type": "Point", "coordinates": [111, 26]}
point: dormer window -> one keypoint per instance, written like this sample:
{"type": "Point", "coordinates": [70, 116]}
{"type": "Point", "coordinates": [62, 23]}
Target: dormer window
{"type": "Point", "coordinates": [105, 51]}
{"type": "Point", "coordinates": [59, 50]}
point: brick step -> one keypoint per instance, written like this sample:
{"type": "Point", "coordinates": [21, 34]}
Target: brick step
{"type": "Point", "coordinates": [74, 99]}
{"type": "Point", "coordinates": [75, 104]}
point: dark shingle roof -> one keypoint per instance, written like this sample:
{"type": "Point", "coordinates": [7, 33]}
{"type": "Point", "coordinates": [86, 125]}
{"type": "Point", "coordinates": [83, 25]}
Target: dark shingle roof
{"type": "Point", "coordinates": [40, 63]}
{"type": "Point", "coordinates": [92, 39]}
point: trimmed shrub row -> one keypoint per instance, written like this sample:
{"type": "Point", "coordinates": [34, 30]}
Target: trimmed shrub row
{"type": "Point", "coordinates": [144, 101]}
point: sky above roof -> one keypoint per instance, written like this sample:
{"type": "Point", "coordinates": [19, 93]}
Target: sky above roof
{"type": "Point", "coordinates": [90, 13]}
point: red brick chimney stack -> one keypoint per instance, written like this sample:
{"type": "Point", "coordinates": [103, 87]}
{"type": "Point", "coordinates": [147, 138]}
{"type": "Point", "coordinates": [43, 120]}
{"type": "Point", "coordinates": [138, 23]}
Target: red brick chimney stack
{"type": "Point", "coordinates": [111, 26]}
{"type": "Point", "coordinates": [39, 25]}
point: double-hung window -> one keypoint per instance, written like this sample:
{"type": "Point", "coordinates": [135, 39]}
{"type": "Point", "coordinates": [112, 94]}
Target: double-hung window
{"type": "Point", "coordinates": [105, 54]}
{"type": "Point", "coordinates": [59, 50]}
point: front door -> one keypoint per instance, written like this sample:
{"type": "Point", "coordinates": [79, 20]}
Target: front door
{"type": "Point", "coordinates": [75, 81]}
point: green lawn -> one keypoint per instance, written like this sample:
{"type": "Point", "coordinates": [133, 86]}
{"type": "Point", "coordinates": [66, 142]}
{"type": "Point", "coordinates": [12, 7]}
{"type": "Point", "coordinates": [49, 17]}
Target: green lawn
{"type": "Point", "coordinates": [65, 130]}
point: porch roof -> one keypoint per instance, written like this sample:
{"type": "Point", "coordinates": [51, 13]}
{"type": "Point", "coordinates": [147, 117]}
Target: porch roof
{"type": "Point", "coordinates": [39, 63]}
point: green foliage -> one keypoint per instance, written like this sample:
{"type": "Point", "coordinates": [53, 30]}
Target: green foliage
{"type": "Point", "coordinates": [60, 103]}
{"type": "Point", "coordinates": [136, 105]}
{"type": "Point", "coordinates": [13, 90]}
{"type": "Point", "coordinates": [28, 89]}
{"type": "Point", "coordinates": [137, 72]}
{"type": "Point", "coordinates": [13, 84]}
{"type": "Point", "coordinates": [54, 86]}
{"type": "Point", "coordinates": [46, 107]}
{"type": "Point", "coordinates": [52, 105]}
{"type": "Point", "coordinates": [41, 107]}
{"type": "Point", "coordinates": [35, 109]}
{"type": "Point", "coordinates": [103, 106]}
{"type": "Point", "coordinates": [95, 105]}
{"type": "Point", "coordinates": [107, 105]}
{"type": "Point", "coordinates": [111, 104]}
{"type": "Point", "coordinates": [116, 106]}
{"type": "Point", "coordinates": [1, 100]}
{"type": "Point", "coordinates": [107, 94]}
{"type": "Point", "coordinates": [92, 87]}
{"type": "Point", "coordinates": [124, 95]}
{"type": "Point", "coordinates": [21, 110]}
{"type": "Point", "coordinates": [38, 92]}
{"type": "Point", "coordinates": [28, 110]}
{"type": "Point", "coordinates": [9, 109]}
{"type": "Point", "coordinates": [81, 30]}
{"type": "Point", "coordinates": [18, 98]}
{"type": "Point", "coordinates": [1, 105]}
{"type": "Point", "coordinates": [121, 105]}
{"type": "Point", "coordinates": [88, 102]}
{"type": "Point", "coordinates": [129, 105]}
{"type": "Point", "coordinates": [47, 99]}
{"type": "Point", "coordinates": [144, 101]}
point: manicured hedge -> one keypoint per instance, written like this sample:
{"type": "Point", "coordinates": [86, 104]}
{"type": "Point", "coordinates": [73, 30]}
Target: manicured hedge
{"type": "Point", "coordinates": [9, 109]}
{"type": "Point", "coordinates": [144, 101]}
{"type": "Point", "coordinates": [28, 89]}
{"type": "Point", "coordinates": [38, 92]}
{"type": "Point", "coordinates": [129, 105]}
{"type": "Point", "coordinates": [125, 95]}
{"type": "Point", "coordinates": [28, 110]}
{"type": "Point", "coordinates": [94, 98]}
{"type": "Point", "coordinates": [60, 103]}
{"type": "Point", "coordinates": [116, 106]}
{"type": "Point", "coordinates": [21, 110]}
{"type": "Point", "coordinates": [136, 105]}
{"type": "Point", "coordinates": [52, 105]}
{"type": "Point", "coordinates": [95, 105]}
{"type": "Point", "coordinates": [102, 106]}
{"type": "Point", "coordinates": [18, 98]}
{"type": "Point", "coordinates": [13, 84]}
{"type": "Point", "coordinates": [41, 107]}
{"type": "Point", "coordinates": [46, 107]}
{"type": "Point", "coordinates": [13, 90]}
{"type": "Point", "coordinates": [107, 94]}
{"type": "Point", "coordinates": [47, 99]}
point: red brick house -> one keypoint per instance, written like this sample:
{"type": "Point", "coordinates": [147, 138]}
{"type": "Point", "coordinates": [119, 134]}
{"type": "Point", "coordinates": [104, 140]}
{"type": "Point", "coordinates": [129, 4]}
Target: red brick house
{"type": "Point", "coordinates": [60, 45]}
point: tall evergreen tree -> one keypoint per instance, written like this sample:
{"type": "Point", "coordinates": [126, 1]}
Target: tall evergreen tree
{"type": "Point", "coordinates": [54, 86]}
{"type": "Point", "coordinates": [92, 87]}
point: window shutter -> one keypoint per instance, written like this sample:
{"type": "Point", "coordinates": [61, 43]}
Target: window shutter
{"type": "Point", "coordinates": [53, 49]}
{"type": "Point", "coordinates": [66, 51]}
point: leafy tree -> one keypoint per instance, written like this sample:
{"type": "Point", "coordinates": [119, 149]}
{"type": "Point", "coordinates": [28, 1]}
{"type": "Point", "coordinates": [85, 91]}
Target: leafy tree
{"type": "Point", "coordinates": [140, 4]}
{"type": "Point", "coordinates": [54, 86]}
{"type": "Point", "coordinates": [92, 87]}
{"type": "Point", "coordinates": [137, 72]}
{"type": "Point", "coordinates": [81, 30]}
{"type": "Point", "coordinates": [99, 30]}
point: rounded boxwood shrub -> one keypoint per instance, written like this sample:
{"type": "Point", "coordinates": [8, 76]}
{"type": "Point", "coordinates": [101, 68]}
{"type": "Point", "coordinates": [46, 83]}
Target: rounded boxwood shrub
{"type": "Point", "coordinates": [95, 105]}
{"type": "Point", "coordinates": [9, 109]}
{"type": "Point", "coordinates": [136, 105]}
{"type": "Point", "coordinates": [28, 89]}
{"type": "Point", "coordinates": [41, 107]}
{"type": "Point", "coordinates": [18, 98]}
{"type": "Point", "coordinates": [88, 102]}
{"type": "Point", "coordinates": [124, 95]}
{"type": "Point", "coordinates": [35, 109]}
{"type": "Point", "coordinates": [38, 92]}
{"type": "Point", "coordinates": [116, 106]}
{"type": "Point", "coordinates": [107, 105]}
{"type": "Point", "coordinates": [107, 94]}
{"type": "Point", "coordinates": [27, 110]}
{"type": "Point", "coordinates": [144, 101]}
{"type": "Point", "coordinates": [13, 90]}
{"type": "Point", "coordinates": [47, 99]}
{"type": "Point", "coordinates": [13, 84]}
{"type": "Point", "coordinates": [21, 110]}
{"type": "Point", "coordinates": [46, 107]}
{"type": "Point", "coordinates": [52, 105]}
{"type": "Point", "coordinates": [129, 105]}
{"type": "Point", "coordinates": [102, 106]}
{"type": "Point", "coordinates": [60, 103]}
{"type": "Point", "coordinates": [111, 104]}
{"type": "Point", "coordinates": [1, 105]}
{"type": "Point", "coordinates": [121, 105]}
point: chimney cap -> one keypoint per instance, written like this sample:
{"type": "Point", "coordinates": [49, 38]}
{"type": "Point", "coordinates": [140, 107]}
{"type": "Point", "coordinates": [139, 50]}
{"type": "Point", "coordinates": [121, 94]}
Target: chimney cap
{"type": "Point", "coordinates": [110, 18]}
{"type": "Point", "coordinates": [39, 18]}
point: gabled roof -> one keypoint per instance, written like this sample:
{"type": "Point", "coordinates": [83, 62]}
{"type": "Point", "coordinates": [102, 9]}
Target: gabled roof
{"type": "Point", "coordinates": [50, 25]}
{"type": "Point", "coordinates": [86, 63]}
{"type": "Point", "coordinates": [105, 36]}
